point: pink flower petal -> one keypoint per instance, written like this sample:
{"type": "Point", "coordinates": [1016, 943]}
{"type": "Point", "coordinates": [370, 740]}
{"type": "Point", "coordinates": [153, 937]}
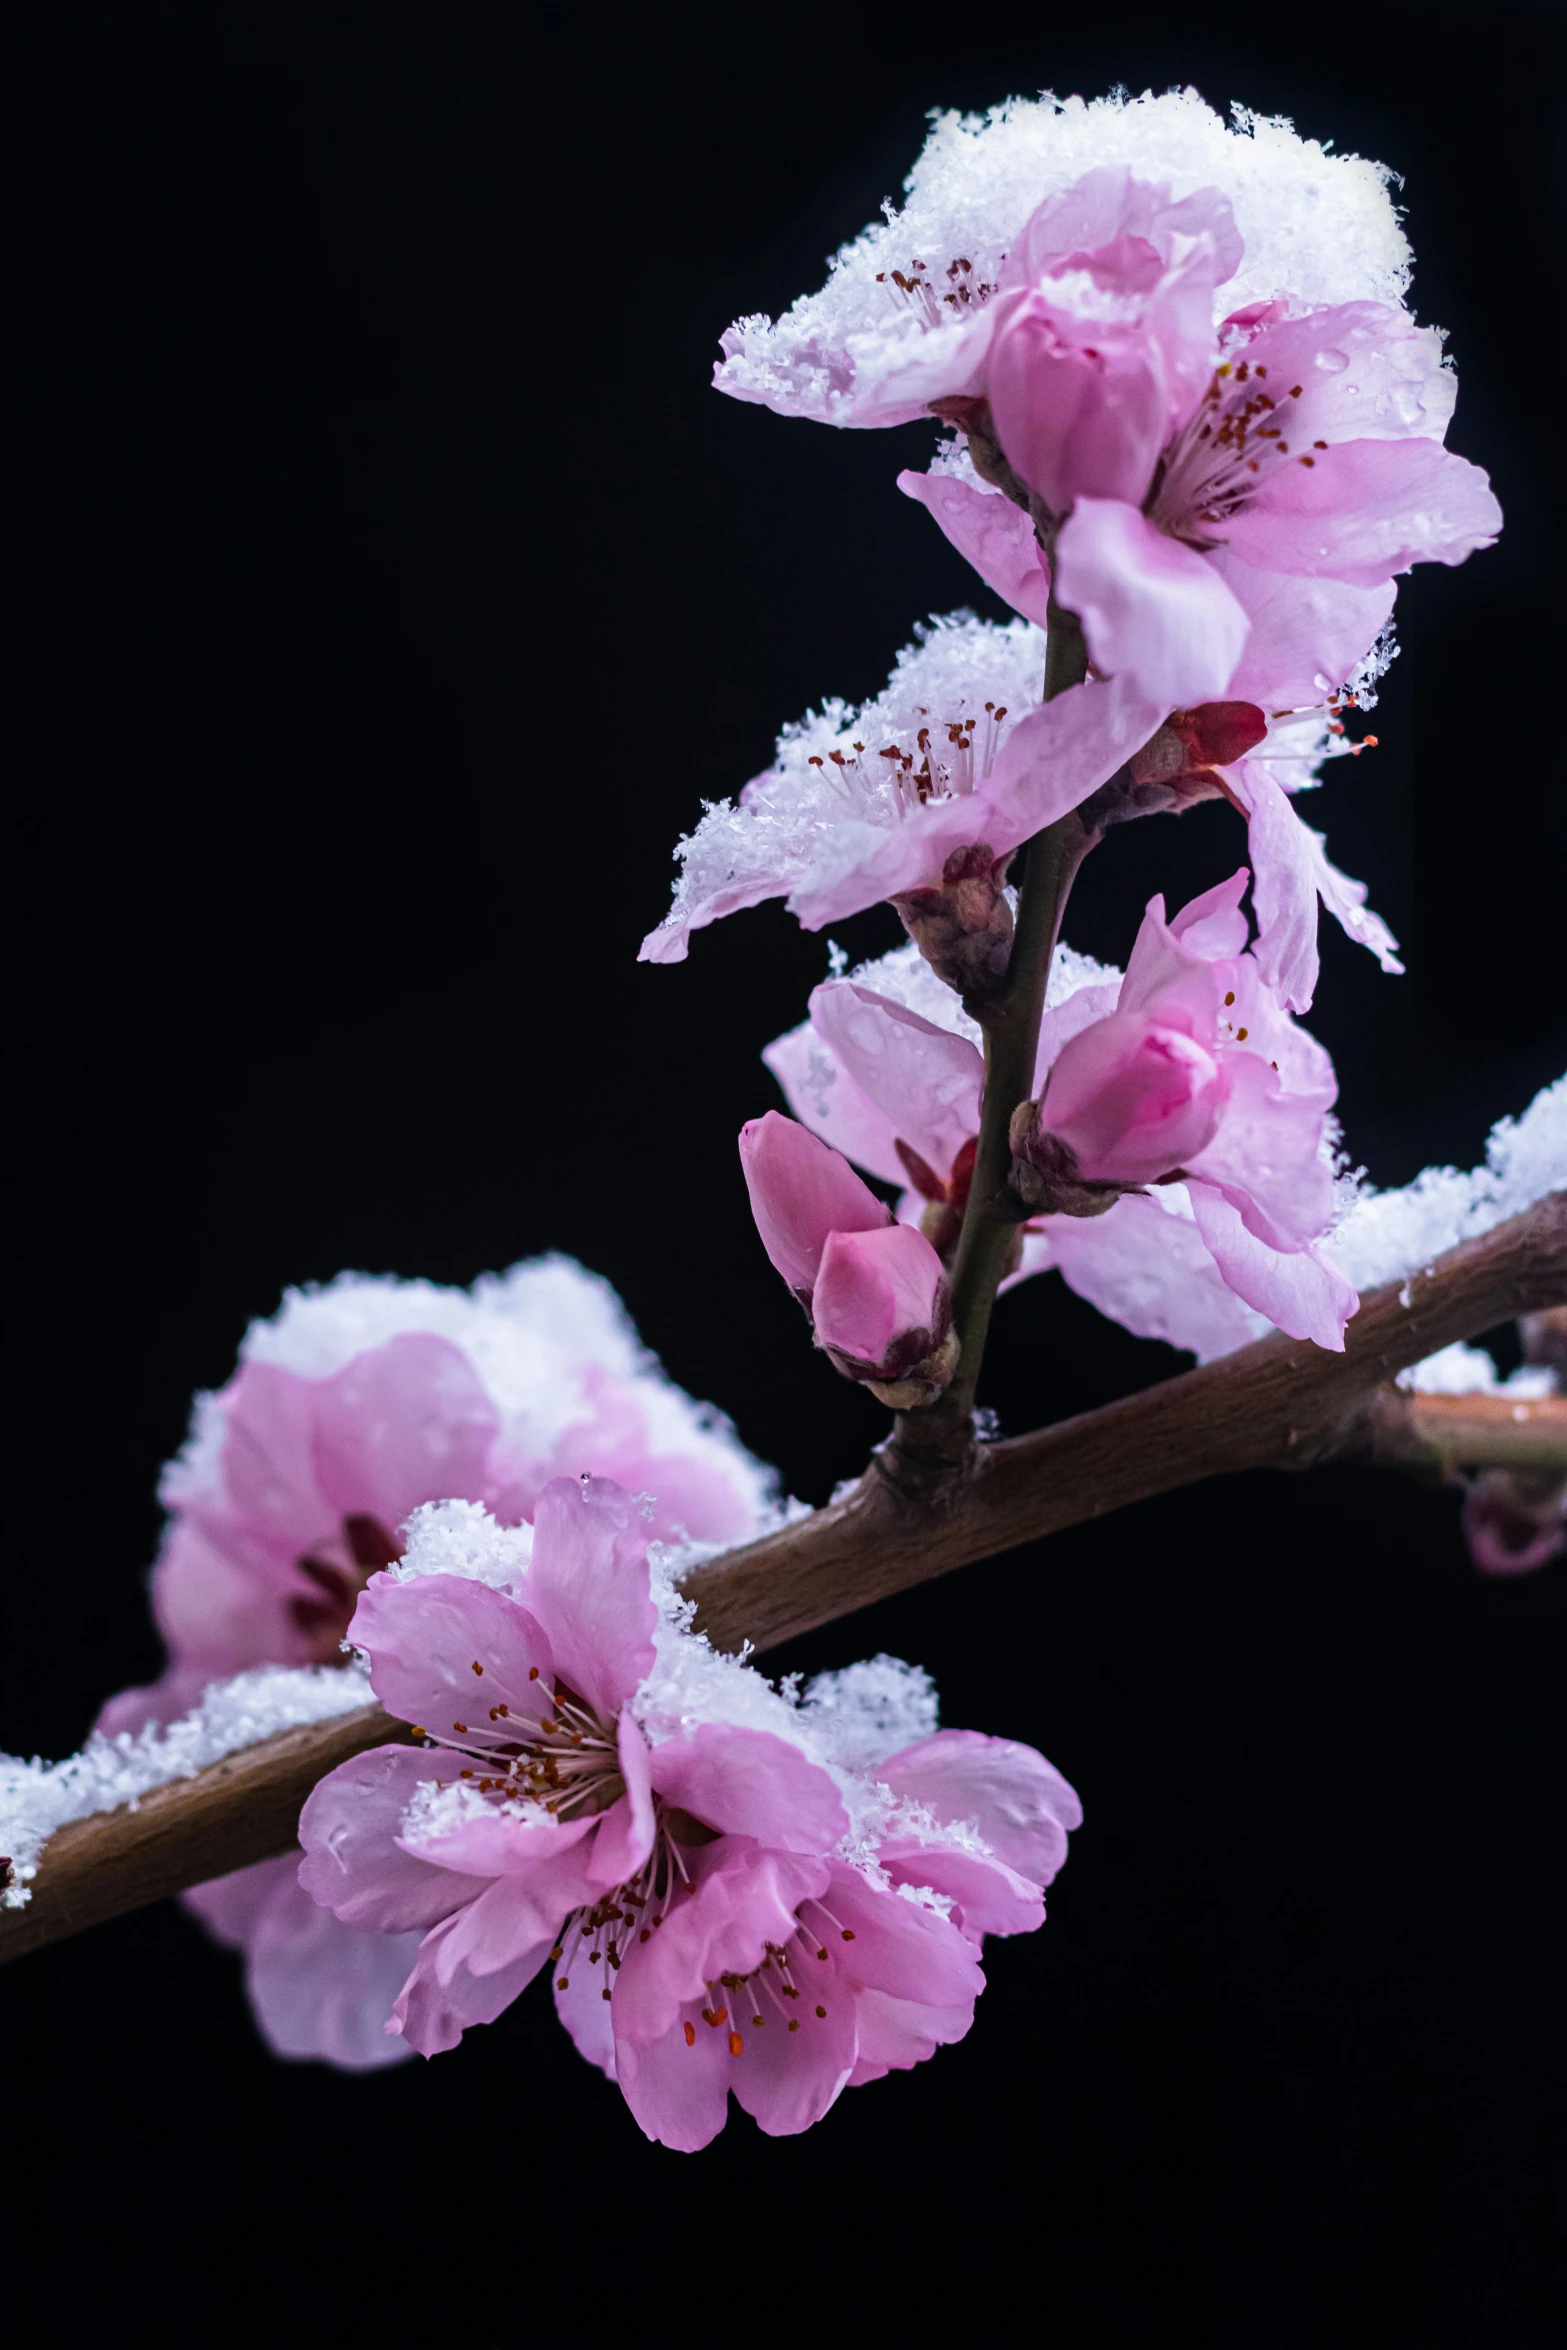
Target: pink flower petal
{"type": "Point", "coordinates": [801, 1192]}
{"type": "Point", "coordinates": [424, 1638]}
{"type": "Point", "coordinates": [787, 2080]}
{"type": "Point", "coordinates": [268, 1455]}
{"type": "Point", "coordinates": [990, 1898]}
{"type": "Point", "coordinates": [678, 2095]}
{"type": "Point", "coordinates": [1019, 1802]}
{"type": "Point", "coordinates": [403, 1423]}
{"type": "Point", "coordinates": [897, 1945]}
{"type": "Point", "coordinates": [744, 1899]}
{"type": "Point", "coordinates": [1307, 635]}
{"type": "Point", "coordinates": [895, 2034]}
{"type": "Point", "coordinates": [825, 1099]}
{"type": "Point", "coordinates": [925, 1080]}
{"type": "Point", "coordinates": [322, 1989]}
{"type": "Point", "coordinates": [588, 1586]}
{"type": "Point", "coordinates": [1303, 1292]}
{"type": "Point", "coordinates": [625, 1832]}
{"type": "Point", "coordinates": [881, 1298]}
{"type": "Point", "coordinates": [750, 1783]}
{"type": "Point", "coordinates": [584, 2011]}
{"type": "Point", "coordinates": [1265, 1157]}
{"type": "Point", "coordinates": [1150, 1271]}
{"type": "Point", "coordinates": [1152, 609]}
{"type": "Point", "coordinates": [434, 2010]}
{"type": "Point", "coordinates": [992, 534]}
{"type": "Point", "coordinates": [353, 1864]}
{"type": "Point", "coordinates": [1364, 509]}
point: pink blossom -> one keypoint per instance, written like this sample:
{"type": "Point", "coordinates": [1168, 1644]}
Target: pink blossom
{"type": "Point", "coordinates": [888, 1069]}
{"type": "Point", "coordinates": [1280, 469]}
{"type": "Point", "coordinates": [293, 1494]}
{"type": "Point", "coordinates": [689, 1895]}
{"type": "Point", "coordinates": [875, 1290]}
{"type": "Point", "coordinates": [1200, 1068]}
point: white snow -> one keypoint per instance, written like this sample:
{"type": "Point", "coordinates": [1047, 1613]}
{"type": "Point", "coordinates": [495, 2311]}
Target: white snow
{"type": "Point", "coordinates": [37, 1797]}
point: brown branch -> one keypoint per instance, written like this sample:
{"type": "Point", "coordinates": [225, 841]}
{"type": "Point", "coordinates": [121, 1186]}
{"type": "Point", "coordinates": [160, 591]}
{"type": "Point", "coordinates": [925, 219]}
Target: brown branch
{"type": "Point", "coordinates": [1279, 1404]}
{"type": "Point", "coordinates": [1439, 1435]}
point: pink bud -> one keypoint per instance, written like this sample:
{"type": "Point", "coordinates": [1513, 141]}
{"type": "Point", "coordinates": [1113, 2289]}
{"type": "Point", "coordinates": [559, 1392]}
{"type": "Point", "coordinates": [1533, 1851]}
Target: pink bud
{"type": "Point", "coordinates": [1133, 1100]}
{"type": "Point", "coordinates": [881, 1301]}
{"type": "Point", "coordinates": [801, 1192]}
{"type": "Point", "coordinates": [1080, 410]}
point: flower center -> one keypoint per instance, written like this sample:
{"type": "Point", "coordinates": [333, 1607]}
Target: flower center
{"type": "Point", "coordinates": [324, 1615]}
{"type": "Point", "coordinates": [1214, 466]}
{"type": "Point", "coordinates": [949, 760]}
{"type": "Point", "coordinates": [933, 303]}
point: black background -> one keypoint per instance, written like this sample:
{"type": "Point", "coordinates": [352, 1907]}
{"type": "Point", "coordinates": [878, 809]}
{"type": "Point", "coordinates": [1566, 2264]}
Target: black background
{"type": "Point", "coordinates": [393, 589]}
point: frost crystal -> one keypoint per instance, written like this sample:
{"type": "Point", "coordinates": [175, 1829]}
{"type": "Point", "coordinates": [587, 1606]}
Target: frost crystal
{"type": "Point", "coordinates": [846, 772]}
{"type": "Point", "coordinates": [37, 1797]}
{"type": "Point", "coordinates": [868, 1711]}
{"type": "Point", "coordinates": [1318, 227]}
{"type": "Point", "coordinates": [1389, 1234]}
{"type": "Point", "coordinates": [1469, 1370]}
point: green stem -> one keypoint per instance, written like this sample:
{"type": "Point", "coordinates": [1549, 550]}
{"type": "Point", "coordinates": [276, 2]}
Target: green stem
{"type": "Point", "coordinates": [1047, 867]}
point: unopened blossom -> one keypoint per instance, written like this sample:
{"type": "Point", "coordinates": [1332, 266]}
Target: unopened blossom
{"type": "Point", "coordinates": [602, 1796]}
{"type": "Point", "coordinates": [875, 1289]}
{"type": "Point", "coordinates": [350, 1408]}
{"type": "Point", "coordinates": [888, 1069]}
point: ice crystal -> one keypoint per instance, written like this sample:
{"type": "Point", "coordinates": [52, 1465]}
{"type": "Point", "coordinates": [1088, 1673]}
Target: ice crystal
{"type": "Point", "coordinates": [37, 1797]}
{"type": "Point", "coordinates": [1317, 227]}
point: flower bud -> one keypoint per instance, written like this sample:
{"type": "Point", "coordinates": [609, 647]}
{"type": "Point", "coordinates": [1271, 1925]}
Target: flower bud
{"type": "Point", "coordinates": [801, 1193]}
{"type": "Point", "coordinates": [962, 924]}
{"type": "Point", "coordinates": [1133, 1100]}
{"type": "Point", "coordinates": [1046, 1175]}
{"type": "Point", "coordinates": [883, 1311]}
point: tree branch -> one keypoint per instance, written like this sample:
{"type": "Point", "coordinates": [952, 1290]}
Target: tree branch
{"type": "Point", "coordinates": [1278, 1404]}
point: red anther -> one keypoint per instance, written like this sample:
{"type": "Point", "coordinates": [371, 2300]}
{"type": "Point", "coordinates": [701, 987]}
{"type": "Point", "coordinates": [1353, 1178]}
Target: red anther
{"type": "Point", "coordinates": [736, 2044]}
{"type": "Point", "coordinates": [690, 2031]}
{"type": "Point", "coordinates": [533, 1672]}
{"type": "Point", "coordinates": [1368, 742]}
{"type": "Point", "coordinates": [563, 1983]}
{"type": "Point", "coordinates": [794, 2023]}
{"type": "Point", "coordinates": [821, 2011]}
{"type": "Point", "coordinates": [1295, 391]}
{"type": "Point", "coordinates": [1001, 713]}
{"type": "Point", "coordinates": [848, 1933]}
{"type": "Point", "coordinates": [1306, 461]}
{"type": "Point", "coordinates": [1319, 444]}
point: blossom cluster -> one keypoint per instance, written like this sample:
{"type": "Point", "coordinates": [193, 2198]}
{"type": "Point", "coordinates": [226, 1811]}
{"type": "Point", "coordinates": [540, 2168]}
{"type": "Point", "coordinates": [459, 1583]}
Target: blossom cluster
{"type": "Point", "coordinates": [1196, 430]}
{"type": "Point", "coordinates": [731, 1887]}
{"type": "Point", "coordinates": [1192, 436]}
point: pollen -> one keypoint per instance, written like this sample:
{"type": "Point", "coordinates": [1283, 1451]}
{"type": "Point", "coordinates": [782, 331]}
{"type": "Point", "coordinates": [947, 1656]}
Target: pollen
{"type": "Point", "coordinates": [1241, 1035]}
